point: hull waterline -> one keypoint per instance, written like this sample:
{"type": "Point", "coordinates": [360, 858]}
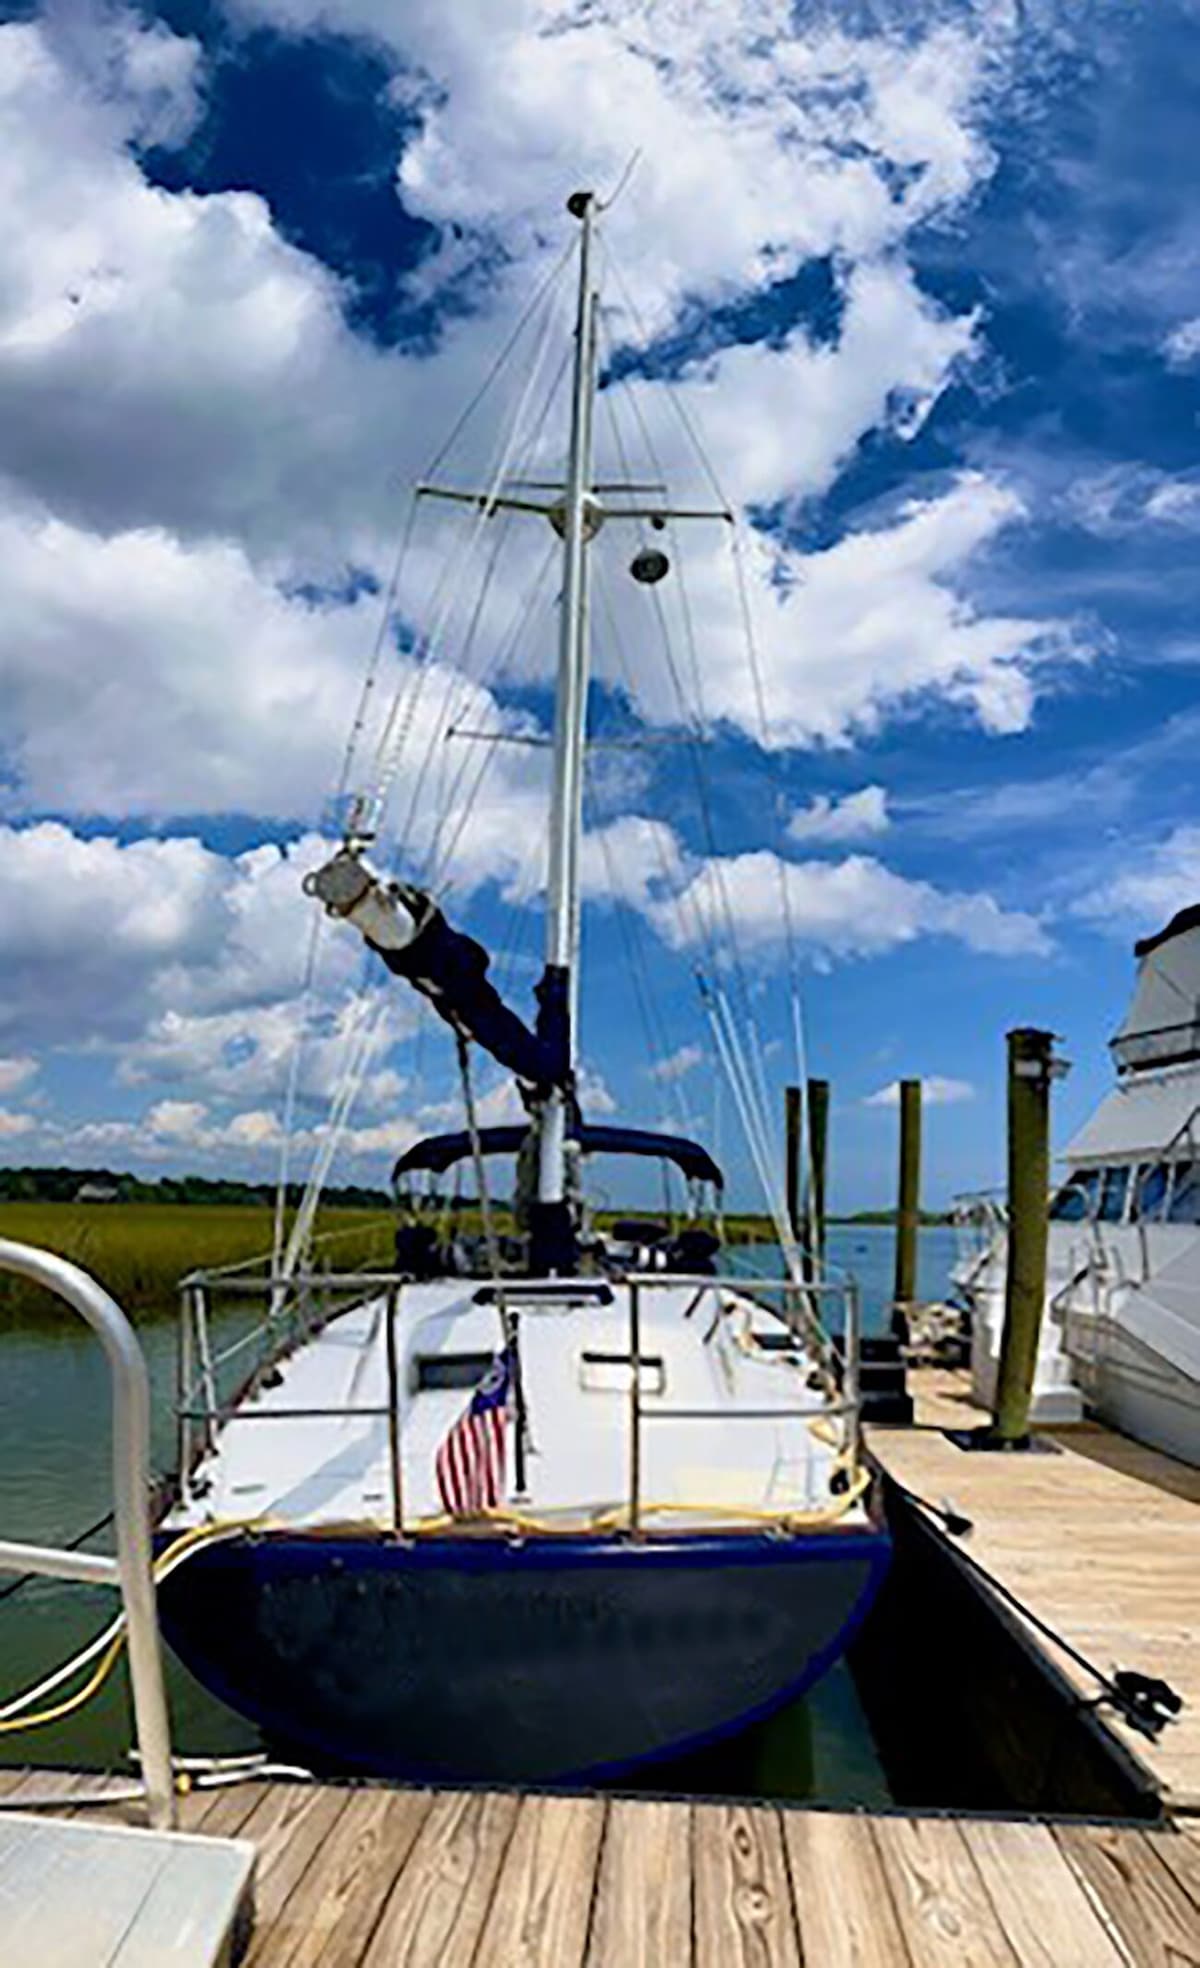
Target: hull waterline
{"type": "Point", "coordinates": [462, 1660]}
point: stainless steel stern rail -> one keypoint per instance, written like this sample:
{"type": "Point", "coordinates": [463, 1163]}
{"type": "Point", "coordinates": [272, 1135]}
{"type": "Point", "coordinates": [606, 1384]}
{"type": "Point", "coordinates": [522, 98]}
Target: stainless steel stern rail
{"type": "Point", "coordinates": [131, 1569]}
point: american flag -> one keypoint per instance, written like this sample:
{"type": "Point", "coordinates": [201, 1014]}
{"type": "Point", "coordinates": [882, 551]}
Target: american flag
{"type": "Point", "coordinates": [470, 1462]}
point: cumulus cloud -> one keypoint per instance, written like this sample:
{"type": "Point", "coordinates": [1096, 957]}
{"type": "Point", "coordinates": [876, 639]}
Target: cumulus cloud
{"type": "Point", "coordinates": [677, 1064]}
{"type": "Point", "coordinates": [16, 1073]}
{"type": "Point", "coordinates": [1128, 497]}
{"type": "Point", "coordinates": [1182, 346]}
{"type": "Point", "coordinates": [199, 452]}
{"type": "Point", "coordinates": [851, 907]}
{"type": "Point", "coordinates": [937, 1090]}
{"type": "Point", "coordinates": [1158, 878]}
{"type": "Point", "coordinates": [856, 816]}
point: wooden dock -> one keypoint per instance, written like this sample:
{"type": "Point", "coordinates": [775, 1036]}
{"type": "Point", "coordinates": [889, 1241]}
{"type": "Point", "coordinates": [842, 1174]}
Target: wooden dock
{"type": "Point", "coordinates": [1102, 1541]}
{"type": "Point", "coordinates": [365, 1877]}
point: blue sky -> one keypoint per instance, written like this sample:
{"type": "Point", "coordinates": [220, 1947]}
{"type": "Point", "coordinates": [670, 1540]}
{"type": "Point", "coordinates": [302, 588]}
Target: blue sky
{"type": "Point", "coordinates": [927, 278]}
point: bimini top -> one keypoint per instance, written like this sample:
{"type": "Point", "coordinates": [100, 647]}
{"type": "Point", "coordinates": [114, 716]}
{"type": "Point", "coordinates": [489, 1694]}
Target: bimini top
{"type": "Point", "coordinates": [438, 1152]}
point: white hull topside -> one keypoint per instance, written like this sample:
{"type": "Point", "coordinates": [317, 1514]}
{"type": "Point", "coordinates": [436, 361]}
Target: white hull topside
{"type": "Point", "coordinates": [724, 1423]}
{"type": "Point", "coordinates": [1121, 1331]}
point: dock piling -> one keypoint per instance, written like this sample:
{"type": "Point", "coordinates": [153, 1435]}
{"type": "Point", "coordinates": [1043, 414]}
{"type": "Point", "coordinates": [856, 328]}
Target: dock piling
{"type": "Point", "coordinates": [1031, 1068]}
{"type": "Point", "coordinates": [818, 1144]}
{"type": "Point", "coordinates": [904, 1288]}
{"type": "Point", "coordinates": [793, 1124]}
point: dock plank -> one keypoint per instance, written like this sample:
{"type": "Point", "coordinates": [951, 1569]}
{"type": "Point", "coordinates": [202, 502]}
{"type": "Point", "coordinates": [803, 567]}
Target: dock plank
{"type": "Point", "coordinates": [288, 1827]}
{"type": "Point", "coordinates": [437, 1907]}
{"type": "Point", "coordinates": [744, 1916]}
{"type": "Point", "coordinates": [1042, 1907]}
{"type": "Point", "coordinates": [841, 1891]}
{"type": "Point", "coordinates": [643, 1909]}
{"type": "Point", "coordinates": [543, 1895]}
{"type": "Point", "coordinates": [941, 1904]}
{"type": "Point", "coordinates": [1101, 1541]}
{"type": "Point", "coordinates": [329, 1918]}
{"type": "Point", "coordinates": [1181, 1856]}
{"type": "Point", "coordinates": [1150, 1910]}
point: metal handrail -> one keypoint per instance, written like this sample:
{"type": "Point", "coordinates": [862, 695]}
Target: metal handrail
{"type": "Point", "coordinates": [132, 1568]}
{"type": "Point", "coordinates": [847, 1409]}
{"type": "Point", "coordinates": [845, 1406]}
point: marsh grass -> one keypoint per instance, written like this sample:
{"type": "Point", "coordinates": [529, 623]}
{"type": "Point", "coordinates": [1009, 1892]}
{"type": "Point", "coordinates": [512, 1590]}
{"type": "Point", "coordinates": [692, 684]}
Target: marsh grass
{"type": "Point", "coordinates": [140, 1251]}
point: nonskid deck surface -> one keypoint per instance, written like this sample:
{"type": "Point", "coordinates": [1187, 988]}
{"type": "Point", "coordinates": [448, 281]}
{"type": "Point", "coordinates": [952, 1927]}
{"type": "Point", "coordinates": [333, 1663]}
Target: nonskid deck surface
{"type": "Point", "coordinates": [308, 1470]}
{"type": "Point", "coordinates": [385, 1878]}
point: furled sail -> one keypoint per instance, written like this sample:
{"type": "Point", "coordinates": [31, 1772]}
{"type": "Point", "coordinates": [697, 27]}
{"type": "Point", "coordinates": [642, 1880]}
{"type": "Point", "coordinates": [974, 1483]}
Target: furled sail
{"type": "Point", "coordinates": [405, 927]}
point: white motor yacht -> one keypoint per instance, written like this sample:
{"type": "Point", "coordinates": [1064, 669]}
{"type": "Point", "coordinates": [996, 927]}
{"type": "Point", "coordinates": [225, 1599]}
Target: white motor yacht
{"type": "Point", "coordinates": [1121, 1334]}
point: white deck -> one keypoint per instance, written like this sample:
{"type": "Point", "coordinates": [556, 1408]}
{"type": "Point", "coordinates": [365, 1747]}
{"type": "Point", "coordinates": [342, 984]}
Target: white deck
{"type": "Point", "coordinates": [99, 1896]}
{"type": "Point", "coordinates": [311, 1471]}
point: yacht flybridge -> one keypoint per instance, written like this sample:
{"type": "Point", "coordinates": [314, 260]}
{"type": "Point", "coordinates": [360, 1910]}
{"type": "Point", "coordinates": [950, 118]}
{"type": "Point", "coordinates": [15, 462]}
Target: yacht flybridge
{"type": "Point", "coordinates": [1122, 1325]}
{"type": "Point", "coordinates": [541, 1502]}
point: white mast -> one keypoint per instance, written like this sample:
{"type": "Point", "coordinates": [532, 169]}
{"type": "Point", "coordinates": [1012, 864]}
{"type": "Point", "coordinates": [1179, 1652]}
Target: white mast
{"type": "Point", "coordinates": [579, 519]}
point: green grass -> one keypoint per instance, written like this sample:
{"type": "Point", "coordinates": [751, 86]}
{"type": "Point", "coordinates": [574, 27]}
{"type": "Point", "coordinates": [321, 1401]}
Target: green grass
{"type": "Point", "coordinates": [140, 1251]}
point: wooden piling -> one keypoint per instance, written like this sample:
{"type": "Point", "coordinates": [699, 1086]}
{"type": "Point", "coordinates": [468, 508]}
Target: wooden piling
{"type": "Point", "coordinates": [818, 1143]}
{"type": "Point", "coordinates": [904, 1288]}
{"type": "Point", "coordinates": [793, 1121]}
{"type": "Point", "coordinates": [1029, 1076]}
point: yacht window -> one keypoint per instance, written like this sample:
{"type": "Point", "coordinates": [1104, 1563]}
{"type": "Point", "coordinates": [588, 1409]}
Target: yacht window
{"type": "Point", "coordinates": [433, 1370]}
{"type": "Point", "coordinates": [1184, 1206]}
{"type": "Point", "coordinates": [1113, 1194]}
{"type": "Point", "coordinates": [1077, 1199]}
{"type": "Point", "coordinates": [1150, 1192]}
{"type": "Point", "coordinates": [610, 1373]}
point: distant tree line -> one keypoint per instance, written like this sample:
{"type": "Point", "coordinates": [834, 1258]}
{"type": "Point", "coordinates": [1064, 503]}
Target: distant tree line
{"type": "Point", "coordinates": [62, 1185]}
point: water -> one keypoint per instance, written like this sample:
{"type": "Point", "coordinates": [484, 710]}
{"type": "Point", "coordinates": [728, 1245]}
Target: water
{"type": "Point", "coordinates": [54, 1479]}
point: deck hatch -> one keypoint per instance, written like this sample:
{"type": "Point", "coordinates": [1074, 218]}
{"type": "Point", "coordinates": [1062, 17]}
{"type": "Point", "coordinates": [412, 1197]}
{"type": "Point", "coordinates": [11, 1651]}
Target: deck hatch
{"type": "Point", "coordinates": [432, 1371]}
{"type": "Point", "coordinates": [611, 1373]}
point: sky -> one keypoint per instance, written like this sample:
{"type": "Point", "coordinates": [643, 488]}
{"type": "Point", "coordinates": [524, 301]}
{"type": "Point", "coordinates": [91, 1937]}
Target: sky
{"type": "Point", "coordinates": [913, 288]}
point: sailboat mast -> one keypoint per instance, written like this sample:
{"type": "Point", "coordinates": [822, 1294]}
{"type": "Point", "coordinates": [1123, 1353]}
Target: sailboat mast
{"type": "Point", "coordinates": [578, 522]}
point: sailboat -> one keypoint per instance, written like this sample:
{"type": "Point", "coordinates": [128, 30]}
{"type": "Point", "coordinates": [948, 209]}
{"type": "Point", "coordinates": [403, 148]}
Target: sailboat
{"type": "Point", "coordinates": [550, 1503]}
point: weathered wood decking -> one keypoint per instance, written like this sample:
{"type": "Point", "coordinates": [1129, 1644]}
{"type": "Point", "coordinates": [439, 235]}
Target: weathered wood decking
{"type": "Point", "coordinates": [1102, 1541]}
{"type": "Point", "coordinates": [376, 1878]}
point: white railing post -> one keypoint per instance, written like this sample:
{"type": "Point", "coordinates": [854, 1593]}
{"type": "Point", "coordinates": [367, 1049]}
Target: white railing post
{"type": "Point", "coordinates": [131, 1509]}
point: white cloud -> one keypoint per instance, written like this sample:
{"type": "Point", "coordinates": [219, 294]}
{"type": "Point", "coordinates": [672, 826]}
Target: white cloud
{"type": "Point", "coordinates": [197, 447]}
{"type": "Point", "coordinates": [853, 907]}
{"type": "Point", "coordinates": [1182, 346]}
{"type": "Point", "coordinates": [1128, 497]}
{"type": "Point", "coordinates": [1143, 893]}
{"type": "Point", "coordinates": [937, 1090]}
{"type": "Point", "coordinates": [17, 1072]}
{"type": "Point", "coordinates": [875, 626]}
{"type": "Point", "coordinates": [856, 816]}
{"type": "Point", "coordinates": [677, 1064]}
{"type": "Point", "coordinates": [155, 350]}
{"type": "Point", "coordinates": [12, 1124]}
{"type": "Point", "coordinates": [762, 141]}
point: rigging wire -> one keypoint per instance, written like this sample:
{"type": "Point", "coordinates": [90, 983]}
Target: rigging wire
{"type": "Point", "coordinates": [442, 851]}
{"type": "Point", "coordinates": [697, 445]}
{"type": "Point", "coordinates": [397, 730]}
{"type": "Point", "coordinates": [360, 719]}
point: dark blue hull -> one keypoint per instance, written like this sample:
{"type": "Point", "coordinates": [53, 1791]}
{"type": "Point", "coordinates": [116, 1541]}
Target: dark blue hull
{"type": "Point", "coordinates": [460, 1660]}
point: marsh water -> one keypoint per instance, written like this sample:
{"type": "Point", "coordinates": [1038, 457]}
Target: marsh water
{"type": "Point", "coordinates": [54, 1481]}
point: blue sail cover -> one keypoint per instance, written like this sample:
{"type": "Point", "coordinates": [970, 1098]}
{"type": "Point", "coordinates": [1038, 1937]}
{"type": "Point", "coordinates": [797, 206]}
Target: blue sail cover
{"type": "Point", "coordinates": [450, 968]}
{"type": "Point", "coordinates": [438, 1152]}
